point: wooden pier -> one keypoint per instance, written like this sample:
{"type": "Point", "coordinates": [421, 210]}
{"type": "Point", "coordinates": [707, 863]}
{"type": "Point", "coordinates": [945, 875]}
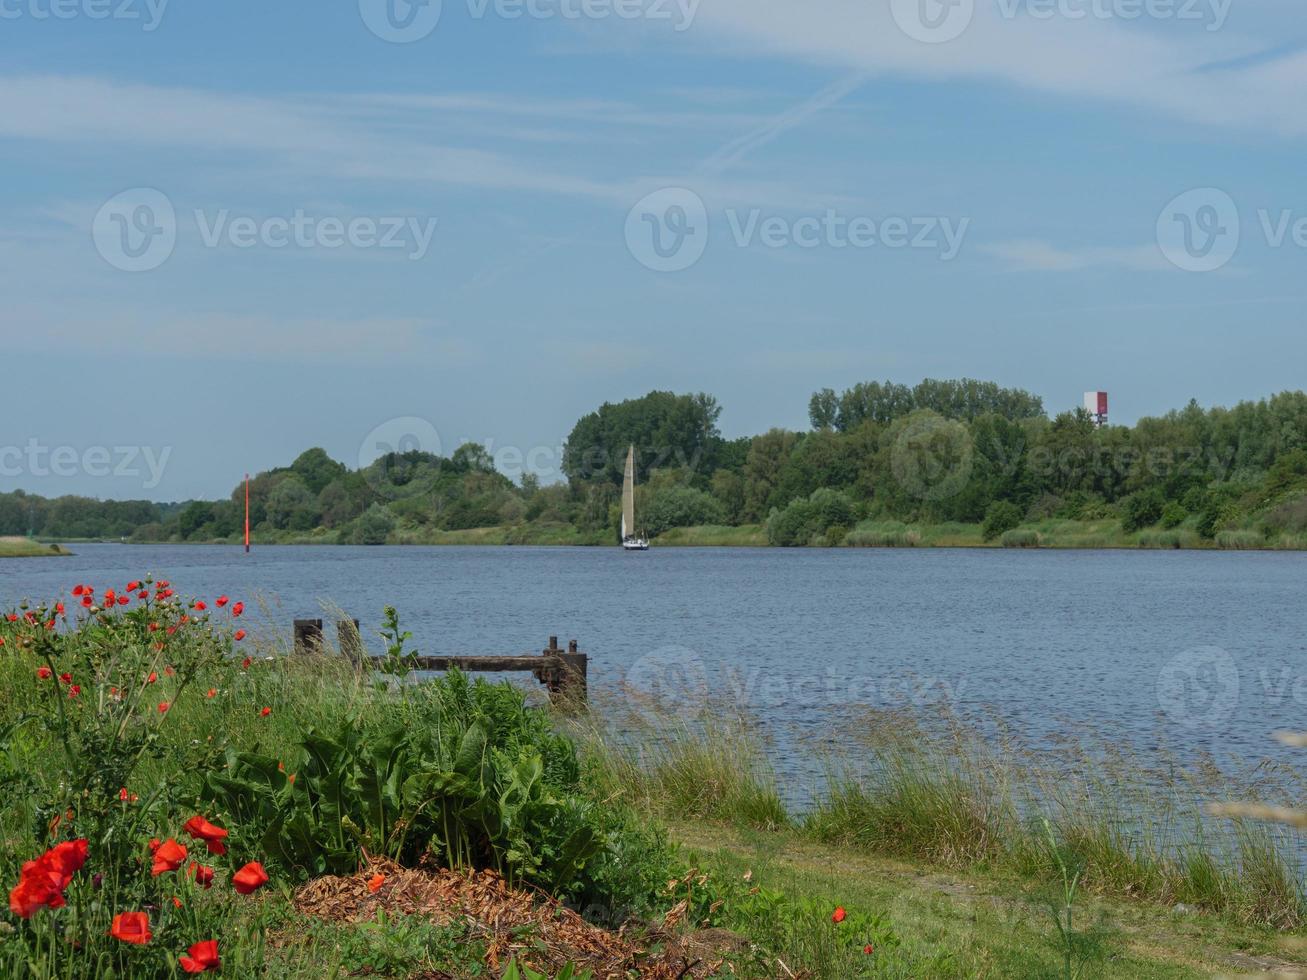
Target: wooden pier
{"type": "Point", "coordinates": [563, 672]}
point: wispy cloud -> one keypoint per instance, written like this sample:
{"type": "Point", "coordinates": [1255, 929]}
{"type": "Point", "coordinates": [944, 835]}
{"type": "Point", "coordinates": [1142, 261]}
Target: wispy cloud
{"type": "Point", "coordinates": [1033, 255]}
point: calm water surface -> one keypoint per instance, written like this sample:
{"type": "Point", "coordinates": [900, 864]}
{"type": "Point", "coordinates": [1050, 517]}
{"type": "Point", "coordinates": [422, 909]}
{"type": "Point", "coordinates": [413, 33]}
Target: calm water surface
{"type": "Point", "coordinates": [1204, 650]}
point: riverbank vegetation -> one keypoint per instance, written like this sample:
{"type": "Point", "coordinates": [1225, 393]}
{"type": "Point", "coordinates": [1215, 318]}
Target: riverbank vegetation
{"type": "Point", "coordinates": [944, 462]}
{"type": "Point", "coordinates": [182, 795]}
{"type": "Point", "coordinates": [16, 547]}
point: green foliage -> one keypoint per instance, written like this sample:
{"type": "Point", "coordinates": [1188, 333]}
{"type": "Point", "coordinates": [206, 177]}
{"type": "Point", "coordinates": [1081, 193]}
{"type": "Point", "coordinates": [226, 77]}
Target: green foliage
{"type": "Point", "coordinates": [806, 519]}
{"type": "Point", "coordinates": [1001, 517]}
{"type": "Point", "coordinates": [680, 506]}
{"type": "Point", "coordinates": [937, 453]}
{"type": "Point", "coordinates": [1142, 509]}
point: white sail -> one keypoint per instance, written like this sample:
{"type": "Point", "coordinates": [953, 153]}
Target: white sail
{"type": "Point", "coordinates": [628, 496]}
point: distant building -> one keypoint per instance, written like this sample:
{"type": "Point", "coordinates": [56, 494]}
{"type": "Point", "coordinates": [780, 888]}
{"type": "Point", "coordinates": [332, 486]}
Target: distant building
{"type": "Point", "coordinates": [1096, 405]}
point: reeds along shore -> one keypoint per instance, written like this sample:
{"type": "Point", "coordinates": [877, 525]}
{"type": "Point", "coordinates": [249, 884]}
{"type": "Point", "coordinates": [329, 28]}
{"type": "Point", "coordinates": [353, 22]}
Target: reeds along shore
{"type": "Point", "coordinates": [936, 791]}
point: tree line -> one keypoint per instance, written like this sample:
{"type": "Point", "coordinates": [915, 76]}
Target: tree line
{"type": "Point", "coordinates": [940, 452]}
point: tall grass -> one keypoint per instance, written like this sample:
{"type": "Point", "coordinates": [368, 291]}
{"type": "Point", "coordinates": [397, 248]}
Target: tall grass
{"type": "Point", "coordinates": [1240, 540]}
{"type": "Point", "coordinates": [883, 534]}
{"type": "Point", "coordinates": [711, 766]}
{"type": "Point", "coordinates": [943, 794]}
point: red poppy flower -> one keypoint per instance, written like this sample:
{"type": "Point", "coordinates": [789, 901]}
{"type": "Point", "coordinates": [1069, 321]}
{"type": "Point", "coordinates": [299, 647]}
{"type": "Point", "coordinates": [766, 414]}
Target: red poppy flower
{"type": "Point", "coordinates": [265, 712]}
{"type": "Point", "coordinates": [45, 673]}
{"type": "Point", "coordinates": [109, 597]}
{"type": "Point", "coordinates": [59, 608]}
{"type": "Point", "coordinates": [238, 635]}
{"type": "Point", "coordinates": [838, 915]}
{"type": "Point", "coordinates": [211, 692]}
{"type": "Point", "coordinates": [168, 856]}
{"type": "Point", "coordinates": [168, 672]}
{"type": "Point", "coordinates": [245, 664]}
{"type": "Point", "coordinates": [869, 949]}
{"type": "Point", "coordinates": [203, 875]}
{"type": "Point", "coordinates": [237, 608]}
{"type": "Point", "coordinates": [375, 882]}
{"type": "Point", "coordinates": [221, 601]}
{"type": "Point", "coordinates": [142, 594]}
{"type": "Point", "coordinates": [154, 627]}
{"type": "Point", "coordinates": [199, 605]}
{"type": "Point", "coordinates": [123, 600]}
{"type": "Point", "coordinates": [131, 927]}
{"type": "Point", "coordinates": [152, 678]}
{"type": "Point", "coordinates": [176, 902]}
{"type": "Point", "coordinates": [75, 690]}
{"type": "Point", "coordinates": [203, 957]}
{"type": "Point", "coordinates": [211, 834]}
{"type": "Point", "coordinates": [162, 585]}
{"type": "Point", "coordinates": [65, 677]}
{"type": "Point", "coordinates": [133, 586]}
{"type": "Point", "coordinates": [163, 707]}
{"type": "Point", "coordinates": [33, 893]}
{"type": "Point", "coordinates": [87, 602]}
{"type": "Point", "coordinates": [78, 590]}
{"type": "Point", "coordinates": [12, 617]}
{"type": "Point", "coordinates": [249, 878]}
{"type": "Point", "coordinates": [122, 793]}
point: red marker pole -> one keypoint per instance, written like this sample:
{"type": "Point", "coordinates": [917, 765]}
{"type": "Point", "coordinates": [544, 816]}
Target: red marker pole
{"type": "Point", "coordinates": [247, 513]}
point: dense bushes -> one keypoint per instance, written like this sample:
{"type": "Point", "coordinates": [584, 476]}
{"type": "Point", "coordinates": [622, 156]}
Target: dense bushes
{"type": "Point", "coordinates": [680, 507]}
{"type": "Point", "coordinates": [809, 520]}
{"type": "Point", "coordinates": [1001, 517]}
{"type": "Point", "coordinates": [134, 730]}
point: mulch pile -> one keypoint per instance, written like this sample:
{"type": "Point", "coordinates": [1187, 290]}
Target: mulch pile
{"type": "Point", "coordinates": [534, 929]}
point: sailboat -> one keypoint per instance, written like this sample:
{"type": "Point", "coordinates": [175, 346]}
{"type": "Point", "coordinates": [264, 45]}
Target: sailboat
{"type": "Point", "coordinates": [631, 540]}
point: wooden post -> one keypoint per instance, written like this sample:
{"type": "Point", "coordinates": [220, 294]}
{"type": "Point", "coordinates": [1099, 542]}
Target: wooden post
{"type": "Point", "coordinates": [351, 643]}
{"type": "Point", "coordinates": [308, 636]}
{"type": "Point", "coordinates": [567, 682]}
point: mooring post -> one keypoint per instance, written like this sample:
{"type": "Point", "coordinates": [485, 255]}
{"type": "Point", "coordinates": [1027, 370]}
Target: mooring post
{"type": "Point", "coordinates": [308, 636]}
{"type": "Point", "coordinates": [568, 681]}
{"type": "Point", "coordinates": [351, 642]}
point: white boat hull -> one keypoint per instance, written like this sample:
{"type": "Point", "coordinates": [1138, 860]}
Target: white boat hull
{"type": "Point", "coordinates": [635, 544]}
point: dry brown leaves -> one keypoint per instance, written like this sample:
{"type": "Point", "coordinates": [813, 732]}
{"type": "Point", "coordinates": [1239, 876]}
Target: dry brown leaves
{"type": "Point", "coordinates": [533, 929]}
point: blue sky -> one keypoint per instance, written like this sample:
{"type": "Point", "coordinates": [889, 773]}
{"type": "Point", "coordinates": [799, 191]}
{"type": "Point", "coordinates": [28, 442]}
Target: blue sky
{"type": "Point", "coordinates": [515, 162]}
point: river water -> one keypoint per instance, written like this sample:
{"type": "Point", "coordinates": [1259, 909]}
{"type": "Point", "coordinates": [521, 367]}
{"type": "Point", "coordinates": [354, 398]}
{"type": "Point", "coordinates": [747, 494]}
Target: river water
{"type": "Point", "coordinates": [1202, 650]}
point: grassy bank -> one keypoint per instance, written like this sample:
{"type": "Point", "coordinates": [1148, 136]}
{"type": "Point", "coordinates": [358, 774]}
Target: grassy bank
{"type": "Point", "coordinates": [1049, 533]}
{"type": "Point", "coordinates": [934, 855]}
{"type": "Point", "coordinates": [27, 548]}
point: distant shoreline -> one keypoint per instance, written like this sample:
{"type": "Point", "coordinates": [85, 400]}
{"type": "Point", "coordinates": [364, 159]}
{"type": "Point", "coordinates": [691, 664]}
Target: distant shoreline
{"type": "Point", "coordinates": [1050, 534]}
